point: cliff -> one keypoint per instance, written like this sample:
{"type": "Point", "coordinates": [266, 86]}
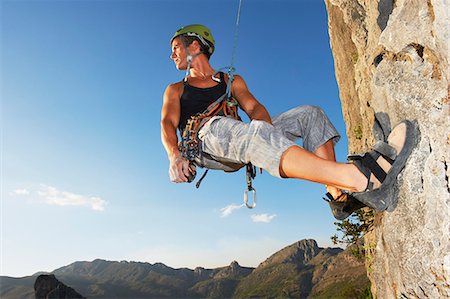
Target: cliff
{"type": "Point", "coordinates": [391, 63]}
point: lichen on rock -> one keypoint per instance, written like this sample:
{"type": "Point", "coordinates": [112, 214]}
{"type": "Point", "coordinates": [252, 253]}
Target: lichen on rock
{"type": "Point", "coordinates": [401, 72]}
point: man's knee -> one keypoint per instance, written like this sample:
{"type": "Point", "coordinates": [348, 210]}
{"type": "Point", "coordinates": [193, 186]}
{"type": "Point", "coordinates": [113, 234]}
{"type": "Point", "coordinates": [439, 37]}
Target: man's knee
{"type": "Point", "coordinates": [315, 110]}
{"type": "Point", "coordinates": [259, 137]}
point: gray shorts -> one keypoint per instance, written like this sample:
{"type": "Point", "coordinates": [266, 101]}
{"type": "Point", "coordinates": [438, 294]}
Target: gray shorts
{"type": "Point", "coordinates": [229, 144]}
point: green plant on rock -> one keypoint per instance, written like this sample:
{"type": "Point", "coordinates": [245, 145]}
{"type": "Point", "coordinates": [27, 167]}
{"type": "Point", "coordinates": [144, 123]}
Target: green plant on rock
{"type": "Point", "coordinates": [354, 57]}
{"type": "Point", "coordinates": [369, 249]}
{"type": "Point", "coordinates": [367, 293]}
{"type": "Point", "coordinates": [352, 229]}
{"type": "Point", "coordinates": [358, 132]}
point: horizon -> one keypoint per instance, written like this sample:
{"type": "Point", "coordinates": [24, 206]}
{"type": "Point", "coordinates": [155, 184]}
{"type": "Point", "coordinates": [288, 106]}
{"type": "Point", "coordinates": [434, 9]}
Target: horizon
{"type": "Point", "coordinates": [84, 173]}
{"type": "Point", "coordinates": [155, 263]}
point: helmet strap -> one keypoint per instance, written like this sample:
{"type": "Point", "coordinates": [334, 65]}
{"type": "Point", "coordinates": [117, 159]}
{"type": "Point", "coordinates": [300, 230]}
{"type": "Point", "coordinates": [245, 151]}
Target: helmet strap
{"type": "Point", "coordinates": [189, 59]}
{"type": "Point", "coordinates": [188, 69]}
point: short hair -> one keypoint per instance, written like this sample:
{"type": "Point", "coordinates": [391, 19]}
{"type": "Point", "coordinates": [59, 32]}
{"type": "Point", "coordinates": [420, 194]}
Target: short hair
{"type": "Point", "coordinates": [187, 40]}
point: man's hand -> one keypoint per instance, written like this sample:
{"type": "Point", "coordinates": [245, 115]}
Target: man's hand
{"type": "Point", "coordinates": [179, 170]}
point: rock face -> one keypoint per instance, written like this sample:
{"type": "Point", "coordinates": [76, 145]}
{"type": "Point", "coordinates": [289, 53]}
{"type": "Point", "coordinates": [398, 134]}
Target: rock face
{"type": "Point", "coordinates": [47, 286]}
{"type": "Point", "coordinates": [391, 63]}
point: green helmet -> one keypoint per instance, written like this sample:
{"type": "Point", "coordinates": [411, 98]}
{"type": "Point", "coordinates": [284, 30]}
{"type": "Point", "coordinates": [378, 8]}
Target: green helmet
{"type": "Point", "coordinates": [201, 32]}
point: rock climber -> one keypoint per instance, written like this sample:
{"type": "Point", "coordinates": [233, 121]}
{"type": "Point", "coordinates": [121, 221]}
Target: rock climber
{"type": "Point", "coordinates": [220, 140]}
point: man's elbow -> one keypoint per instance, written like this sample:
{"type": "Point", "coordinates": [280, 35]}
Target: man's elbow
{"type": "Point", "coordinates": [165, 123]}
{"type": "Point", "coordinates": [167, 127]}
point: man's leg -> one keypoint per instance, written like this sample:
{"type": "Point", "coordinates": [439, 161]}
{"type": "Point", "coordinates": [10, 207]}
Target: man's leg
{"type": "Point", "coordinates": [309, 123]}
{"type": "Point", "coordinates": [297, 162]}
{"type": "Point", "coordinates": [265, 146]}
{"type": "Point", "coordinates": [228, 140]}
{"type": "Point", "coordinates": [319, 135]}
{"type": "Point", "coordinates": [371, 175]}
{"type": "Point", "coordinates": [326, 151]}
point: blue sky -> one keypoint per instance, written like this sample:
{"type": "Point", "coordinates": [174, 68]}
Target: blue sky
{"type": "Point", "coordinates": [84, 173]}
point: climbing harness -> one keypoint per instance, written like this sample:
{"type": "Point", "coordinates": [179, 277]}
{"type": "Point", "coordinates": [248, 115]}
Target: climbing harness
{"type": "Point", "coordinates": [225, 105]}
{"type": "Point", "coordinates": [190, 143]}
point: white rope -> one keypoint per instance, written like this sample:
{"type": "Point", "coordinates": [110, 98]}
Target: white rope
{"type": "Point", "coordinates": [236, 33]}
{"type": "Point", "coordinates": [231, 68]}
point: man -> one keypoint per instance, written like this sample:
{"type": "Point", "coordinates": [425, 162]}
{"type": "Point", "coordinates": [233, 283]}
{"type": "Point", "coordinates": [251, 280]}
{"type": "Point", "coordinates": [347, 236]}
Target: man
{"type": "Point", "coordinates": [228, 144]}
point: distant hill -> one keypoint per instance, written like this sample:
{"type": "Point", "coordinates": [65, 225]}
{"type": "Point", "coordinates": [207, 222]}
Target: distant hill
{"type": "Point", "coordinates": [304, 270]}
{"type": "Point", "coordinates": [298, 271]}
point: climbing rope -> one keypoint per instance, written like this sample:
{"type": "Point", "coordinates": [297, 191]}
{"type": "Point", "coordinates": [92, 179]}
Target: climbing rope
{"type": "Point", "coordinates": [250, 169]}
{"type": "Point", "coordinates": [236, 33]}
{"type": "Point", "coordinates": [230, 69]}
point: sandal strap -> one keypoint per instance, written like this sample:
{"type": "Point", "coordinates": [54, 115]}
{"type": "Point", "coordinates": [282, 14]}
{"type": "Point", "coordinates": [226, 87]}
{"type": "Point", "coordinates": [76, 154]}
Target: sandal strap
{"type": "Point", "coordinates": [388, 152]}
{"type": "Point", "coordinates": [367, 164]}
{"type": "Point", "coordinates": [331, 198]}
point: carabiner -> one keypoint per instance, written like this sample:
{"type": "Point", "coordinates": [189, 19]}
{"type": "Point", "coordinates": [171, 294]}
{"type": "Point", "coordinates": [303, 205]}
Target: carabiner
{"type": "Point", "coordinates": [246, 198]}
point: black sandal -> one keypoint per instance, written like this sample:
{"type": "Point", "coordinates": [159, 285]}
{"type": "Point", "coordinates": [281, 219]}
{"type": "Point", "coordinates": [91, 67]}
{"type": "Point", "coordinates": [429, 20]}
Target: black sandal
{"type": "Point", "coordinates": [342, 208]}
{"type": "Point", "coordinates": [383, 197]}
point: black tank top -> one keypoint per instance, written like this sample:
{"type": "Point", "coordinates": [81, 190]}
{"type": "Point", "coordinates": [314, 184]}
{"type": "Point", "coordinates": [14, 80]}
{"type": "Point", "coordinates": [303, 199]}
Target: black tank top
{"type": "Point", "coordinates": [195, 100]}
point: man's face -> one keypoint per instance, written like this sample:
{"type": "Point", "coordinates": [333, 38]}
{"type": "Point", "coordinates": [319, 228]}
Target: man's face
{"type": "Point", "coordinates": [179, 54]}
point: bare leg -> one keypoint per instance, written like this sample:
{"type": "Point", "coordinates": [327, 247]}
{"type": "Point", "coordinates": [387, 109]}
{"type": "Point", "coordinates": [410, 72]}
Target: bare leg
{"type": "Point", "coordinates": [297, 162]}
{"type": "Point", "coordinates": [326, 151]}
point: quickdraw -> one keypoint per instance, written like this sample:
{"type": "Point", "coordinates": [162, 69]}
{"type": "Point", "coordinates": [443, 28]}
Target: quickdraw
{"type": "Point", "coordinates": [251, 174]}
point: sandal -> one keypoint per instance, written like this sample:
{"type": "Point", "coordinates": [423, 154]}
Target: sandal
{"type": "Point", "coordinates": [382, 165]}
{"type": "Point", "coordinates": [340, 208]}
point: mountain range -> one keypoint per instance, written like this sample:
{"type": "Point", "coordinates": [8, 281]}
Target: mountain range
{"type": "Point", "coordinates": [301, 270]}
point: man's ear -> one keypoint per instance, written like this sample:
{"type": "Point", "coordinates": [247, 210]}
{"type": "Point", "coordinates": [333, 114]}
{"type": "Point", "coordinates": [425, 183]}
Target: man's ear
{"type": "Point", "coordinates": [194, 47]}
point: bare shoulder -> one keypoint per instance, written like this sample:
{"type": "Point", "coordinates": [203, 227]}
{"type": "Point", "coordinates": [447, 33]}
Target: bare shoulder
{"type": "Point", "coordinates": [175, 87]}
{"type": "Point", "coordinates": [238, 77]}
{"type": "Point", "coordinates": [239, 84]}
{"type": "Point", "coordinates": [174, 90]}
{"type": "Point", "coordinates": [235, 77]}
{"type": "Point", "coordinates": [170, 110]}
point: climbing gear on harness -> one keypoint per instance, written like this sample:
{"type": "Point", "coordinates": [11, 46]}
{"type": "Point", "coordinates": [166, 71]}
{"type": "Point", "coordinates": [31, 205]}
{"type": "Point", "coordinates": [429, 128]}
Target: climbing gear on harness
{"type": "Point", "coordinates": [192, 173]}
{"type": "Point", "coordinates": [341, 209]}
{"type": "Point", "coordinates": [190, 143]}
{"type": "Point", "coordinates": [251, 174]}
{"type": "Point", "coordinates": [197, 185]}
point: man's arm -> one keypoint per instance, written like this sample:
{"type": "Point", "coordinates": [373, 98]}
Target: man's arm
{"type": "Point", "coordinates": [170, 118]}
{"type": "Point", "coordinates": [248, 103]}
